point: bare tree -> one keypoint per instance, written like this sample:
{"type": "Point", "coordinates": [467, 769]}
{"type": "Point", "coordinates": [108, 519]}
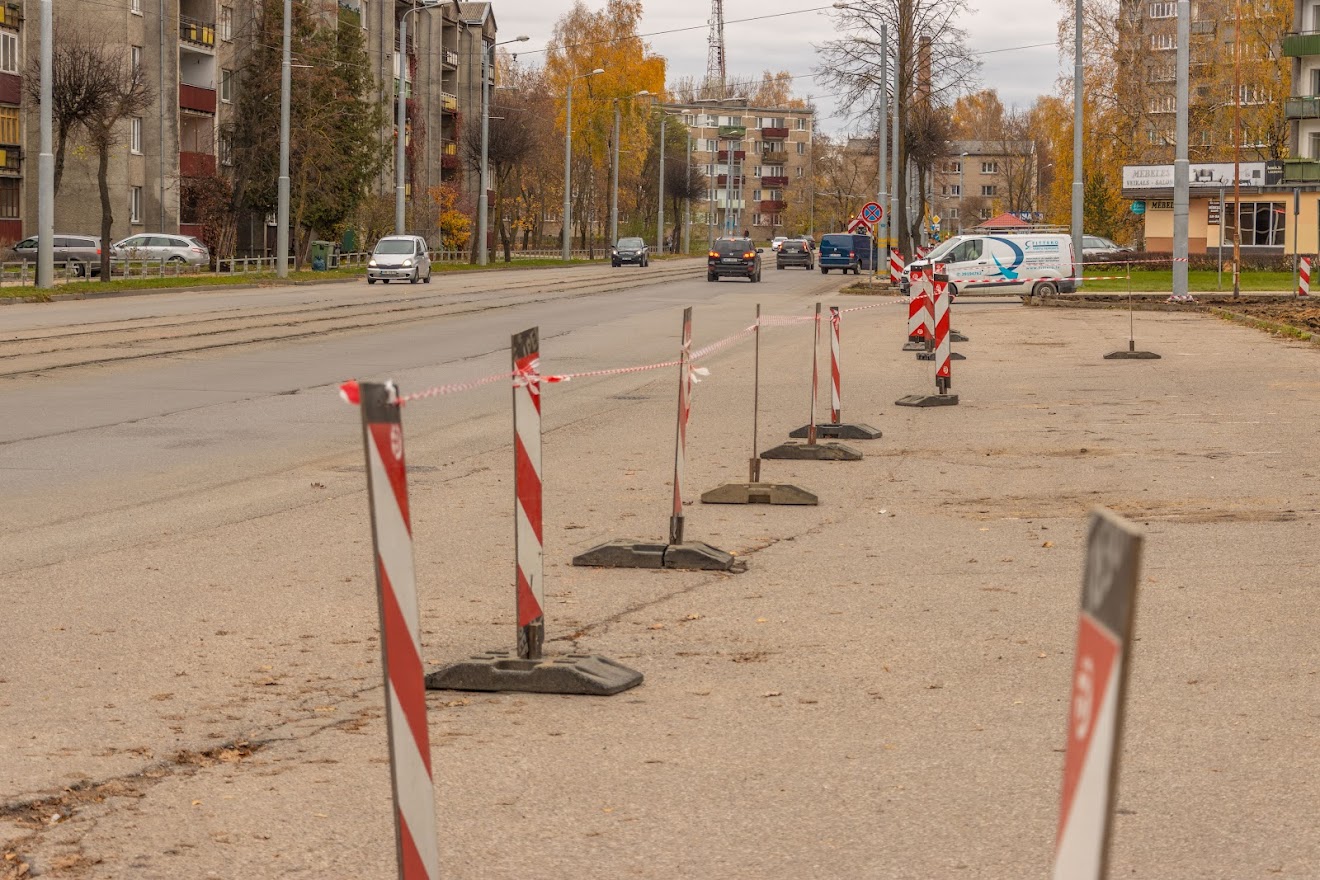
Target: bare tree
{"type": "Point", "coordinates": [125, 94]}
{"type": "Point", "coordinates": [933, 67]}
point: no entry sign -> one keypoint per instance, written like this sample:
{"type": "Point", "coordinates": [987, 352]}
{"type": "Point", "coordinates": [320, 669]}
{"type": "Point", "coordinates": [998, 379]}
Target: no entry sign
{"type": "Point", "coordinates": [1095, 713]}
{"type": "Point", "coordinates": [872, 212]}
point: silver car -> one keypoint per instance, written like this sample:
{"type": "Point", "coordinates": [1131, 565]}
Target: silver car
{"type": "Point", "coordinates": [78, 252]}
{"type": "Point", "coordinates": [170, 248]}
{"type": "Point", "coordinates": [397, 257]}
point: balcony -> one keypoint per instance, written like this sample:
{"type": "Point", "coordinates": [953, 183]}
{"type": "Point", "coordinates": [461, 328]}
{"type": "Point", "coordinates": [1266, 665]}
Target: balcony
{"type": "Point", "coordinates": [1305, 107]}
{"type": "Point", "coordinates": [11, 14]}
{"type": "Point", "coordinates": [449, 102]}
{"type": "Point", "coordinates": [11, 161]}
{"type": "Point", "coordinates": [772, 206]}
{"type": "Point", "coordinates": [450, 149]}
{"type": "Point", "coordinates": [11, 88]}
{"type": "Point", "coordinates": [774, 134]}
{"type": "Point", "coordinates": [1301, 45]}
{"type": "Point", "coordinates": [774, 181]}
{"type": "Point", "coordinates": [738, 155]}
{"type": "Point", "coordinates": [197, 99]}
{"type": "Point", "coordinates": [723, 180]}
{"type": "Point", "coordinates": [196, 164]}
{"type": "Point", "coordinates": [197, 33]}
{"type": "Point", "coordinates": [1301, 170]}
{"type": "Point", "coordinates": [450, 59]}
{"type": "Point", "coordinates": [774, 157]}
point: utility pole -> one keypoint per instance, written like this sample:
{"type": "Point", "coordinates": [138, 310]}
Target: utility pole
{"type": "Point", "coordinates": [1237, 149]}
{"type": "Point", "coordinates": [614, 181]}
{"type": "Point", "coordinates": [660, 202]}
{"type": "Point", "coordinates": [400, 123]}
{"type": "Point", "coordinates": [46, 159]}
{"type": "Point", "coordinates": [1077, 187]}
{"type": "Point", "coordinates": [687, 203]}
{"type": "Point", "coordinates": [286, 88]}
{"type": "Point", "coordinates": [1180, 166]}
{"type": "Point", "coordinates": [893, 159]}
{"type": "Point", "coordinates": [483, 194]}
{"type": "Point", "coordinates": [882, 147]}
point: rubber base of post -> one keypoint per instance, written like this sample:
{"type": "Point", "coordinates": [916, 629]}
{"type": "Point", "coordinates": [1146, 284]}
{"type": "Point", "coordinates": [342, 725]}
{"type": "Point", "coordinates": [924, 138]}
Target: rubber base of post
{"type": "Point", "coordinates": [930, 356]}
{"type": "Point", "coordinates": [758, 493]}
{"type": "Point", "coordinates": [688, 556]}
{"type": "Point", "coordinates": [587, 674]}
{"type": "Point", "coordinates": [813, 452]}
{"type": "Point", "coordinates": [955, 336]}
{"type": "Point", "coordinates": [914, 346]}
{"type": "Point", "coordinates": [928, 400]}
{"type": "Point", "coordinates": [839, 431]}
{"type": "Point", "coordinates": [1132, 356]}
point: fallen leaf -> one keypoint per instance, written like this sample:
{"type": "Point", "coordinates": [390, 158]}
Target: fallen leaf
{"type": "Point", "coordinates": [1048, 544]}
{"type": "Point", "coordinates": [693, 617]}
{"type": "Point", "coordinates": [320, 815]}
{"type": "Point", "coordinates": [657, 626]}
{"type": "Point", "coordinates": [196, 803]}
{"type": "Point", "coordinates": [161, 697]}
{"type": "Point", "coordinates": [760, 620]}
{"type": "Point", "coordinates": [772, 694]}
{"type": "Point", "coordinates": [1041, 655]}
{"type": "Point", "coordinates": [607, 809]}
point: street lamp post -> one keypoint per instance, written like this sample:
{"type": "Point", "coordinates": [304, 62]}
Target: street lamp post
{"type": "Point", "coordinates": [483, 221]}
{"type": "Point", "coordinates": [46, 159]}
{"type": "Point", "coordinates": [286, 99]}
{"type": "Point", "coordinates": [566, 231]}
{"type": "Point", "coordinates": [401, 117]}
{"type": "Point", "coordinates": [614, 172]}
{"type": "Point", "coordinates": [962, 163]}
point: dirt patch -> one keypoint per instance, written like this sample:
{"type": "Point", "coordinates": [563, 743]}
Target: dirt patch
{"type": "Point", "coordinates": [1299, 319]}
{"type": "Point", "coordinates": [1191, 510]}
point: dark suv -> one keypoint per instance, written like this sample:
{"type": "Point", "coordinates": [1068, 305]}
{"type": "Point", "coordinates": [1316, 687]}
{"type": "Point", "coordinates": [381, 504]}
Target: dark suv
{"type": "Point", "coordinates": [734, 256]}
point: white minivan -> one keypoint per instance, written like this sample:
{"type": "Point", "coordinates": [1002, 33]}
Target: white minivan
{"type": "Point", "coordinates": [1039, 264]}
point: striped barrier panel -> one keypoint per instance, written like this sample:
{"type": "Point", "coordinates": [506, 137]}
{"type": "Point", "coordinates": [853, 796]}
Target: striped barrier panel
{"type": "Point", "coordinates": [836, 400]}
{"type": "Point", "coordinates": [528, 535]}
{"type": "Point", "coordinates": [895, 268]}
{"type": "Point", "coordinates": [1304, 276]}
{"type": "Point", "coordinates": [943, 351]}
{"type": "Point", "coordinates": [680, 440]}
{"type": "Point", "coordinates": [416, 843]}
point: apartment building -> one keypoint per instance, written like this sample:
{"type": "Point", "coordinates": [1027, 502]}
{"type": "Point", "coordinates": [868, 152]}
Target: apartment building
{"type": "Point", "coordinates": [193, 52]}
{"type": "Point", "coordinates": [758, 159]}
{"type": "Point", "coordinates": [1302, 47]}
{"type": "Point", "coordinates": [981, 179]}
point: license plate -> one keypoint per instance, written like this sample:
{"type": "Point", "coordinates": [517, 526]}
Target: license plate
{"type": "Point", "coordinates": [731, 260]}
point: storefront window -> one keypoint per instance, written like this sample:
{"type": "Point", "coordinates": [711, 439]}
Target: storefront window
{"type": "Point", "coordinates": [1262, 223]}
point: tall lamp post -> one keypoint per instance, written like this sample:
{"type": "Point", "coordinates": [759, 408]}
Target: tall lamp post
{"type": "Point", "coordinates": [962, 162]}
{"type": "Point", "coordinates": [286, 99]}
{"type": "Point", "coordinates": [566, 233]}
{"type": "Point", "coordinates": [401, 119]}
{"type": "Point", "coordinates": [46, 159]}
{"type": "Point", "coordinates": [660, 202]}
{"type": "Point", "coordinates": [614, 171]}
{"type": "Point", "coordinates": [483, 186]}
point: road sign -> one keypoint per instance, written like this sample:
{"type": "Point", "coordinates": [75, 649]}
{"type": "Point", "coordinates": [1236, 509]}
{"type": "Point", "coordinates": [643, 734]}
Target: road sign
{"type": "Point", "coordinates": [872, 212]}
{"type": "Point", "coordinates": [857, 223]}
{"type": "Point", "coordinates": [1138, 207]}
{"type": "Point", "coordinates": [1095, 716]}
{"type": "Point", "coordinates": [935, 220]}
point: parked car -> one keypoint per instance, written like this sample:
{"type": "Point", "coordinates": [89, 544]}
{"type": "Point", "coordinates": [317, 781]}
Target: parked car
{"type": "Point", "coordinates": [170, 248]}
{"type": "Point", "coordinates": [80, 253]}
{"type": "Point", "coordinates": [1096, 248]}
{"type": "Point", "coordinates": [737, 257]}
{"type": "Point", "coordinates": [795, 252]}
{"type": "Point", "coordinates": [630, 250]}
{"type": "Point", "coordinates": [399, 257]}
{"type": "Point", "coordinates": [846, 251]}
{"type": "Point", "coordinates": [777, 242]}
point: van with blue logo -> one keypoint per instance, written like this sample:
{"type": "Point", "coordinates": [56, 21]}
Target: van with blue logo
{"type": "Point", "coordinates": [1039, 264]}
{"type": "Point", "coordinates": [846, 251]}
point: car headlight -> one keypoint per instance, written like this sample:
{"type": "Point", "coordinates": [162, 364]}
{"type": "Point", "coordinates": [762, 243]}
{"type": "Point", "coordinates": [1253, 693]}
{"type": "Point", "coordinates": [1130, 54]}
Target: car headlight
{"type": "Point", "coordinates": [614, 252]}
{"type": "Point", "coordinates": [371, 264]}
{"type": "Point", "coordinates": [407, 264]}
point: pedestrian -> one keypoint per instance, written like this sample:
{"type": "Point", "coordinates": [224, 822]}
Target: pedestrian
{"type": "Point", "coordinates": [746, 234]}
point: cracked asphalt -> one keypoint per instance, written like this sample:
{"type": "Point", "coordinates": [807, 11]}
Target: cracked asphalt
{"type": "Point", "coordinates": [189, 674]}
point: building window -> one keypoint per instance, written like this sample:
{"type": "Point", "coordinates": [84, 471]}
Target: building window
{"type": "Point", "coordinates": [710, 146]}
{"type": "Point", "coordinates": [801, 124]}
{"type": "Point", "coordinates": [9, 126]}
{"type": "Point", "coordinates": [1314, 140]}
{"type": "Point", "coordinates": [956, 190]}
{"type": "Point", "coordinates": [226, 151]}
{"type": "Point", "coordinates": [1163, 104]}
{"type": "Point", "coordinates": [1162, 42]}
{"type": "Point", "coordinates": [756, 195]}
{"type": "Point", "coordinates": [1261, 223]}
{"type": "Point", "coordinates": [136, 59]}
{"type": "Point", "coordinates": [799, 171]}
{"type": "Point", "coordinates": [1251, 95]}
{"type": "Point", "coordinates": [801, 148]}
{"type": "Point", "coordinates": [226, 23]}
{"type": "Point", "coordinates": [952, 212]}
{"type": "Point", "coordinates": [135, 135]}
{"type": "Point", "coordinates": [9, 198]}
{"type": "Point", "coordinates": [989, 189]}
{"type": "Point", "coordinates": [989, 167]}
{"type": "Point", "coordinates": [953, 167]}
{"type": "Point", "coordinates": [985, 213]}
{"type": "Point", "coordinates": [135, 205]}
{"type": "Point", "coordinates": [1163, 10]}
{"type": "Point", "coordinates": [226, 85]}
{"type": "Point", "coordinates": [8, 52]}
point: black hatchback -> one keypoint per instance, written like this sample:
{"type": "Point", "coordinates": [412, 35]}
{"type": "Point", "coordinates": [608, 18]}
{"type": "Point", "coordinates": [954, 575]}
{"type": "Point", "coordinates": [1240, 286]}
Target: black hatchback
{"type": "Point", "coordinates": [737, 257]}
{"type": "Point", "coordinates": [795, 252]}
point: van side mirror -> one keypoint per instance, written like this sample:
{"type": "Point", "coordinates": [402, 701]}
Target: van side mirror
{"type": "Point", "coordinates": [760, 250]}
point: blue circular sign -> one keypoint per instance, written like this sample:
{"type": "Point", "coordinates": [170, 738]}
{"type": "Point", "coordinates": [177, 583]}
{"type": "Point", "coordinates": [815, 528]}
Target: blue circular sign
{"type": "Point", "coordinates": [872, 212]}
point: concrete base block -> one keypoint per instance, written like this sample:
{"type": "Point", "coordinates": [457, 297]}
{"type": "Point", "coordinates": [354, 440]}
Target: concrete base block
{"type": "Point", "coordinates": [928, 400]}
{"type": "Point", "coordinates": [586, 674]}
{"type": "Point", "coordinates": [810, 452]}
{"type": "Point", "coordinates": [914, 346]}
{"type": "Point", "coordinates": [840, 431]}
{"type": "Point", "coordinates": [1132, 356]}
{"type": "Point", "coordinates": [758, 493]}
{"type": "Point", "coordinates": [930, 356]}
{"type": "Point", "coordinates": [955, 336]}
{"type": "Point", "coordinates": [635, 554]}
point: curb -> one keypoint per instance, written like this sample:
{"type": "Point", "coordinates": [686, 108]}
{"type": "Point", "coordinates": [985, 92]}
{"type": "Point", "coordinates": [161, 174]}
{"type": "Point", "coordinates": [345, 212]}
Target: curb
{"type": "Point", "coordinates": [1268, 326]}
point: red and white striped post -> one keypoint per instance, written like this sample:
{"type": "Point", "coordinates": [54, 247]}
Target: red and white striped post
{"type": "Point", "coordinates": [895, 268]}
{"type": "Point", "coordinates": [836, 399]}
{"type": "Point", "coordinates": [416, 844]}
{"type": "Point", "coordinates": [528, 536]}
{"type": "Point", "coordinates": [921, 252]}
{"type": "Point", "coordinates": [917, 308]}
{"type": "Point", "coordinates": [1304, 276]}
{"type": "Point", "coordinates": [680, 441]}
{"type": "Point", "coordinates": [815, 379]}
{"type": "Point", "coordinates": [943, 349]}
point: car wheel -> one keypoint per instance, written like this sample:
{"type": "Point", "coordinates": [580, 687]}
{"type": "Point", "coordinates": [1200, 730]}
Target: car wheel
{"type": "Point", "coordinates": [416, 276]}
{"type": "Point", "coordinates": [824, 271]}
{"type": "Point", "coordinates": [710, 276]}
{"type": "Point", "coordinates": [779, 266]}
{"type": "Point", "coordinates": [76, 268]}
{"type": "Point", "coordinates": [385, 281]}
{"type": "Point", "coordinates": [176, 259]}
{"type": "Point", "coordinates": [427, 279]}
{"type": "Point", "coordinates": [371, 280]}
{"type": "Point", "coordinates": [1045, 288]}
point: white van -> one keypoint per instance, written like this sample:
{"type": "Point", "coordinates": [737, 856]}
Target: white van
{"type": "Point", "coordinates": [1040, 264]}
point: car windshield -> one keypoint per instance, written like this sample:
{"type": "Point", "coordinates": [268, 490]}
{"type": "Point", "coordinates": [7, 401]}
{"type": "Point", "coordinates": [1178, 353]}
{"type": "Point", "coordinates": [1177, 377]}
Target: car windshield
{"type": "Point", "coordinates": [394, 246]}
{"type": "Point", "coordinates": [631, 243]}
{"type": "Point", "coordinates": [943, 249]}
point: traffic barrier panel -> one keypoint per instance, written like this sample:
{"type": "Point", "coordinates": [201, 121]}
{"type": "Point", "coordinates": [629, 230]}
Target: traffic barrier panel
{"type": "Point", "coordinates": [811, 450]}
{"type": "Point", "coordinates": [1098, 698]}
{"type": "Point", "coordinates": [416, 844]}
{"type": "Point", "coordinates": [916, 327]}
{"type": "Point", "coordinates": [754, 491]}
{"type": "Point", "coordinates": [895, 268]}
{"type": "Point", "coordinates": [1304, 276]}
{"type": "Point", "coordinates": [528, 670]}
{"type": "Point", "coordinates": [836, 428]}
{"type": "Point", "coordinates": [677, 553]}
{"type": "Point", "coordinates": [938, 271]}
{"type": "Point", "coordinates": [940, 353]}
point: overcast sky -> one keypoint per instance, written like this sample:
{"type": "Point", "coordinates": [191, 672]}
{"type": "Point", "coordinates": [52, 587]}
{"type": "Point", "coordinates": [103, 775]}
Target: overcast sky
{"type": "Point", "coordinates": [786, 42]}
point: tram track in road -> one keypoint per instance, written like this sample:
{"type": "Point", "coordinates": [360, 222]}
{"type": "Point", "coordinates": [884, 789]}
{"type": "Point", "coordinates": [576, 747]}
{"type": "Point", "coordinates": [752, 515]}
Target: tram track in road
{"type": "Point", "coordinates": [126, 340]}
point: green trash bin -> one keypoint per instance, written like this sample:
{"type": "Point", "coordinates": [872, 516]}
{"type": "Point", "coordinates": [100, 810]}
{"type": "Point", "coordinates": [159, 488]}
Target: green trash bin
{"type": "Point", "coordinates": [321, 251]}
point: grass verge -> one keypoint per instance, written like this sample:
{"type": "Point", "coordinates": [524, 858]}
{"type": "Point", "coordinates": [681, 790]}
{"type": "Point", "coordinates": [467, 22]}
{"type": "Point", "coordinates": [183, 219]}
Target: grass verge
{"type": "Point", "coordinates": [1161, 280]}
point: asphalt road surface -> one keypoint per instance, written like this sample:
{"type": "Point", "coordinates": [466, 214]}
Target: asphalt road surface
{"type": "Point", "coordinates": [189, 673]}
